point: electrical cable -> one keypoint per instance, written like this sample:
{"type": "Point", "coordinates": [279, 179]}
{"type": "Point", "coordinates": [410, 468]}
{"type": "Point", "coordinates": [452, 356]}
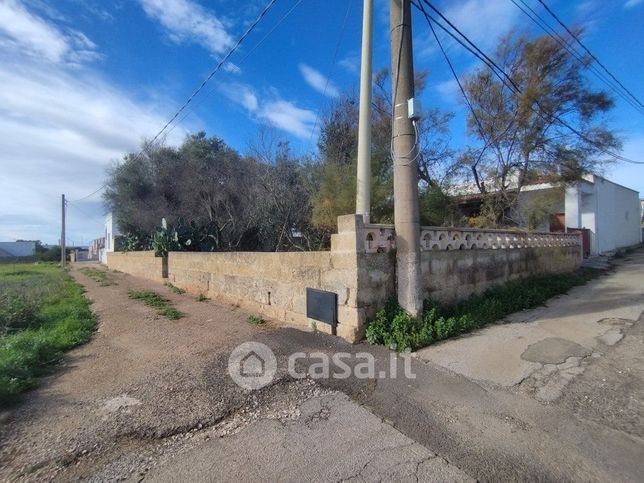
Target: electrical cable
{"type": "Point", "coordinates": [554, 15]}
{"type": "Point", "coordinates": [510, 84]}
{"type": "Point", "coordinates": [240, 62]}
{"type": "Point", "coordinates": [552, 33]}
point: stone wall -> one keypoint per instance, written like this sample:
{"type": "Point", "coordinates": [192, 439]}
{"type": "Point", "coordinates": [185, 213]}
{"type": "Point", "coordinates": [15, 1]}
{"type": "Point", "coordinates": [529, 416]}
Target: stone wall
{"type": "Point", "coordinates": [450, 276]}
{"type": "Point", "coordinates": [141, 264]}
{"type": "Point", "coordinates": [360, 269]}
{"type": "Point", "coordinates": [274, 284]}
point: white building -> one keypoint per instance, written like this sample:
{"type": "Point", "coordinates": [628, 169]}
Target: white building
{"type": "Point", "coordinates": [111, 233]}
{"type": "Point", "coordinates": [610, 211]}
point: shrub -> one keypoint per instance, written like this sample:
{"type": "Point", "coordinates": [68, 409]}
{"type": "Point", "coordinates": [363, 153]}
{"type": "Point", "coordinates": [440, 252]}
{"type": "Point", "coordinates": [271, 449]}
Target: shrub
{"type": "Point", "coordinates": [395, 328]}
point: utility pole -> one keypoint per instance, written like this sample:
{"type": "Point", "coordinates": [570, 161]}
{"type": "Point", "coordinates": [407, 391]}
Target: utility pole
{"type": "Point", "coordinates": [363, 192]}
{"type": "Point", "coordinates": [405, 151]}
{"type": "Point", "coordinates": [63, 256]}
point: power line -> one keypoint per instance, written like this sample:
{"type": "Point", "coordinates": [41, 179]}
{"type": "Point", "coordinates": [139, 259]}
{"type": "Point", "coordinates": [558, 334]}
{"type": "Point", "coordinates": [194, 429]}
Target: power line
{"type": "Point", "coordinates": [554, 15]}
{"type": "Point", "coordinates": [539, 21]}
{"type": "Point", "coordinates": [510, 84]}
{"type": "Point", "coordinates": [209, 77]}
{"type": "Point", "coordinates": [216, 69]}
{"type": "Point", "coordinates": [89, 195]}
{"type": "Point", "coordinates": [240, 62]}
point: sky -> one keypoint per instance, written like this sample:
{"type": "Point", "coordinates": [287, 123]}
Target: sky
{"type": "Point", "coordinates": [85, 81]}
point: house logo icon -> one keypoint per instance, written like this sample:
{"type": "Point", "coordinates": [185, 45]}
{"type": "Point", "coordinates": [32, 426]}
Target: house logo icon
{"type": "Point", "coordinates": [252, 365]}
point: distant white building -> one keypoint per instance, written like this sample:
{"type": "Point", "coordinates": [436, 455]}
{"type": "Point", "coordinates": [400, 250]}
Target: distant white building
{"type": "Point", "coordinates": [111, 233]}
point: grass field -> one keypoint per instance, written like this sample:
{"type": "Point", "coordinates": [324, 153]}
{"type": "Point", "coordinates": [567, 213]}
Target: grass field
{"type": "Point", "coordinates": [43, 313]}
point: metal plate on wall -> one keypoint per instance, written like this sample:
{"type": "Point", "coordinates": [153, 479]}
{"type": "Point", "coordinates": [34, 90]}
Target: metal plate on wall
{"type": "Point", "coordinates": [322, 306]}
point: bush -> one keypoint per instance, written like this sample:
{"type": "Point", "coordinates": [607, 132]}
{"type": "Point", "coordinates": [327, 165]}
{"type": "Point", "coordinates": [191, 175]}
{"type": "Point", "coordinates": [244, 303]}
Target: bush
{"type": "Point", "coordinates": [398, 330]}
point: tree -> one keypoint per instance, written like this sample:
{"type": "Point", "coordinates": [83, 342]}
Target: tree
{"type": "Point", "coordinates": [214, 198]}
{"type": "Point", "coordinates": [522, 130]}
{"type": "Point", "coordinates": [338, 147]}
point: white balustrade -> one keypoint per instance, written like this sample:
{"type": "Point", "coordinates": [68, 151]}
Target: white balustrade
{"type": "Point", "coordinates": [382, 238]}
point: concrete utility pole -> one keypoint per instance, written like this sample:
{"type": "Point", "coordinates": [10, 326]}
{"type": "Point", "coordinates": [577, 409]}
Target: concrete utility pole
{"type": "Point", "coordinates": [363, 194]}
{"type": "Point", "coordinates": [405, 149]}
{"type": "Point", "coordinates": [62, 234]}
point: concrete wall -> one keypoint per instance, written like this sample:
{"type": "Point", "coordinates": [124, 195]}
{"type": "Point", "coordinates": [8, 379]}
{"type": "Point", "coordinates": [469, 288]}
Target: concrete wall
{"type": "Point", "coordinates": [273, 284]}
{"type": "Point", "coordinates": [140, 264]}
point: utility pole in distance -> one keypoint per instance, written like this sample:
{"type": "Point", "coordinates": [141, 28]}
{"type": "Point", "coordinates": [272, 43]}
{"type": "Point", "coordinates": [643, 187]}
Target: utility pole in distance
{"type": "Point", "coordinates": [405, 154]}
{"type": "Point", "coordinates": [363, 188]}
{"type": "Point", "coordinates": [63, 257]}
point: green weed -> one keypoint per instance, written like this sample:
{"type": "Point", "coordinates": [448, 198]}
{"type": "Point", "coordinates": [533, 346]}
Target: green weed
{"type": "Point", "coordinates": [153, 299]}
{"type": "Point", "coordinates": [201, 298]}
{"type": "Point", "coordinates": [256, 319]}
{"type": "Point", "coordinates": [175, 289]}
{"type": "Point", "coordinates": [398, 330]}
{"type": "Point", "coordinates": [50, 316]}
{"type": "Point", "coordinates": [98, 275]}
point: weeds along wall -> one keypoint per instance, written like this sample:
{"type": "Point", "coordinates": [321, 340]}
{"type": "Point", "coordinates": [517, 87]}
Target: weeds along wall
{"type": "Point", "coordinates": [274, 284]}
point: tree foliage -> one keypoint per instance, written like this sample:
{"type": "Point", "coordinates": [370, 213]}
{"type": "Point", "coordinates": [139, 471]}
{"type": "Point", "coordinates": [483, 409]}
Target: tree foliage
{"type": "Point", "coordinates": [214, 198]}
{"type": "Point", "coordinates": [338, 147]}
{"type": "Point", "coordinates": [522, 130]}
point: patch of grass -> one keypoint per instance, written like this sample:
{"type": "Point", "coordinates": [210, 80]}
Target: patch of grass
{"type": "Point", "coordinates": [176, 290]}
{"type": "Point", "coordinates": [153, 299]}
{"type": "Point", "coordinates": [98, 275]}
{"type": "Point", "coordinates": [171, 313]}
{"type": "Point", "coordinates": [256, 319]}
{"type": "Point", "coordinates": [398, 330]}
{"type": "Point", "coordinates": [201, 298]}
{"type": "Point", "coordinates": [43, 313]}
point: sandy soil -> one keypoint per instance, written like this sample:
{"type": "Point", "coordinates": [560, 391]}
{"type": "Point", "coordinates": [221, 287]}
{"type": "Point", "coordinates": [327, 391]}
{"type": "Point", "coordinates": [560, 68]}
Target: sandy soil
{"type": "Point", "coordinates": [141, 377]}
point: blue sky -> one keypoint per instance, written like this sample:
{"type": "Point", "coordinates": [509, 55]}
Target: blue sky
{"type": "Point", "coordinates": [84, 81]}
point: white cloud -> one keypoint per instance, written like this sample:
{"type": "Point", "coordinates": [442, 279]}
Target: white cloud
{"type": "Point", "coordinates": [448, 90]}
{"type": "Point", "coordinates": [25, 33]}
{"type": "Point", "coordinates": [287, 116]}
{"type": "Point", "coordinates": [59, 133]}
{"type": "Point", "coordinates": [187, 21]}
{"type": "Point", "coordinates": [319, 82]}
{"type": "Point", "coordinates": [483, 21]}
{"type": "Point", "coordinates": [632, 3]}
{"type": "Point", "coordinates": [351, 63]}
{"type": "Point", "coordinates": [61, 127]}
{"type": "Point", "coordinates": [272, 109]}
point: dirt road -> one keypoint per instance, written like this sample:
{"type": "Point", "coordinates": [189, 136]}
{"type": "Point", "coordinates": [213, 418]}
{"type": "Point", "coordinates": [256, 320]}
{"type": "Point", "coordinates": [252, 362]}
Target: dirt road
{"type": "Point", "coordinates": [150, 398]}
